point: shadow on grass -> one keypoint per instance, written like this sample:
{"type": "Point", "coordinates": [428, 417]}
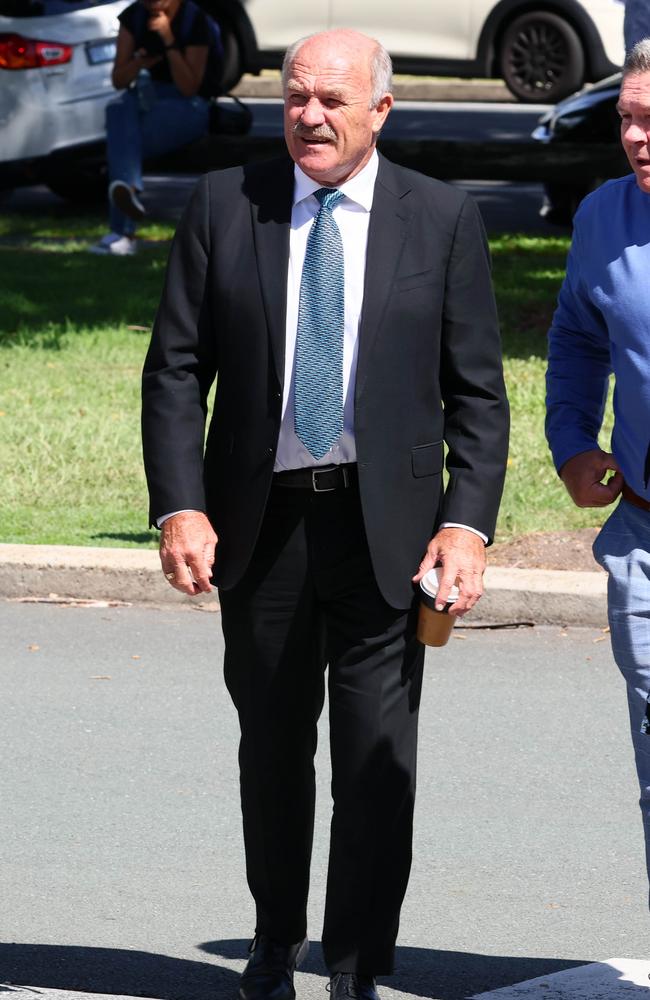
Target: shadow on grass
{"type": "Point", "coordinates": [41, 214]}
{"type": "Point", "coordinates": [527, 275]}
{"type": "Point", "coordinates": [44, 298]}
{"type": "Point", "coordinates": [47, 298]}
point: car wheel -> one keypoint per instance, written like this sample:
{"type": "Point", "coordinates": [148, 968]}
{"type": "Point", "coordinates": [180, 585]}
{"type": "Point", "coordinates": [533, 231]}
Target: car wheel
{"type": "Point", "coordinates": [233, 60]}
{"type": "Point", "coordinates": [541, 57]}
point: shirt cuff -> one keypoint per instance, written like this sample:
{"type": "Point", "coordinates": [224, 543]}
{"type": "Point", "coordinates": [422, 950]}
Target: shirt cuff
{"type": "Point", "coordinates": [165, 517]}
{"type": "Point", "coordinates": [453, 524]}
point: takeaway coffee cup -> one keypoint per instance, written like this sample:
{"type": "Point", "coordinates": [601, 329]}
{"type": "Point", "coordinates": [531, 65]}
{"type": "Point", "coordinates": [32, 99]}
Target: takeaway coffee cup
{"type": "Point", "coordinates": [434, 627]}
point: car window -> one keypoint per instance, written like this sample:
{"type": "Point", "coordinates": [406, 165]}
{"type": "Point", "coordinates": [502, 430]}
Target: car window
{"type": "Point", "coordinates": [43, 8]}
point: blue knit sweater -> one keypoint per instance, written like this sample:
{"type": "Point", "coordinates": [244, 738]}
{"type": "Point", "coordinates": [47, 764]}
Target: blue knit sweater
{"type": "Point", "coordinates": [602, 324]}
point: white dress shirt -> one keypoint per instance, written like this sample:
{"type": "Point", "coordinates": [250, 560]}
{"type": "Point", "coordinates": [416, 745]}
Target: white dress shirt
{"type": "Point", "coordinates": [352, 216]}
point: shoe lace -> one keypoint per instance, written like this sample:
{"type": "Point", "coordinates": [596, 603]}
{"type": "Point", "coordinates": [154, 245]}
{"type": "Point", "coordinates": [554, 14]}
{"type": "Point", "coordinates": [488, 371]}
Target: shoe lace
{"type": "Point", "coordinates": [351, 983]}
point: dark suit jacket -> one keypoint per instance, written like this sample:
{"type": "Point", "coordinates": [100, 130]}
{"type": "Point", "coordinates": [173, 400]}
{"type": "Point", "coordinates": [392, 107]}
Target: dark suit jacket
{"type": "Point", "coordinates": [429, 367]}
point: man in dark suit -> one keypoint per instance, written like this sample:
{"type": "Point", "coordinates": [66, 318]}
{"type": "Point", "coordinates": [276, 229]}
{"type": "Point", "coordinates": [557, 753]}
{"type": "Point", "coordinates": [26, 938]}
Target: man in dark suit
{"type": "Point", "coordinates": [345, 307]}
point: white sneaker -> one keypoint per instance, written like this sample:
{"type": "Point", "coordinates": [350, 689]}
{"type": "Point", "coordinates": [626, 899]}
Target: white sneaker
{"type": "Point", "coordinates": [125, 198]}
{"type": "Point", "coordinates": [115, 245]}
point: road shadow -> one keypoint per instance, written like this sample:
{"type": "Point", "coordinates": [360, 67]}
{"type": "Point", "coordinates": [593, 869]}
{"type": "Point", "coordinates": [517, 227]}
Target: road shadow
{"type": "Point", "coordinates": [423, 972]}
{"type": "Point", "coordinates": [137, 537]}
{"type": "Point", "coordinates": [427, 972]}
{"type": "Point", "coordinates": [114, 970]}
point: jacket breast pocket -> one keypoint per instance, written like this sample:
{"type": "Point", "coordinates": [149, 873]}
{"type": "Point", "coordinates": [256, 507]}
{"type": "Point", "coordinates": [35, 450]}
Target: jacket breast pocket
{"type": "Point", "coordinates": [427, 459]}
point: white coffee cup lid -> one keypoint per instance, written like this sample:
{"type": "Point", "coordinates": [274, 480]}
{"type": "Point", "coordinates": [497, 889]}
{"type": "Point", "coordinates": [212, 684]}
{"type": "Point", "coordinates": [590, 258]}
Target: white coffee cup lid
{"type": "Point", "coordinates": [431, 581]}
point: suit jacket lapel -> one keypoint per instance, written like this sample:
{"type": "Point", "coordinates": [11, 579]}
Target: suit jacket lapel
{"type": "Point", "coordinates": [386, 235]}
{"type": "Point", "coordinates": [271, 194]}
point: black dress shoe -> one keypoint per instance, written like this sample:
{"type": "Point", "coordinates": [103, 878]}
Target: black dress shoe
{"type": "Point", "coordinates": [346, 985]}
{"type": "Point", "coordinates": [269, 972]}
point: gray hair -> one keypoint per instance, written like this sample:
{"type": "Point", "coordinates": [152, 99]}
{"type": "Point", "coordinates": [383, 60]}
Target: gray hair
{"type": "Point", "coordinates": [638, 58]}
{"type": "Point", "coordinates": [381, 67]}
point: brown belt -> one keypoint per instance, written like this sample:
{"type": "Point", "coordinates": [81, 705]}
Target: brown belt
{"type": "Point", "coordinates": [635, 500]}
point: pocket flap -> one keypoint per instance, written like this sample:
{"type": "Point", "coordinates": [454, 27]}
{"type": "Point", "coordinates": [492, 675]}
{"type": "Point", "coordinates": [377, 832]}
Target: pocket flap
{"type": "Point", "coordinates": [427, 459]}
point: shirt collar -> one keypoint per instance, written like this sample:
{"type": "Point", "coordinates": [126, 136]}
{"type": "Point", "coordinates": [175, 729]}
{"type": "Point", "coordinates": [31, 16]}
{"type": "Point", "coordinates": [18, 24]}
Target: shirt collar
{"type": "Point", "coordinates": [359, 189]}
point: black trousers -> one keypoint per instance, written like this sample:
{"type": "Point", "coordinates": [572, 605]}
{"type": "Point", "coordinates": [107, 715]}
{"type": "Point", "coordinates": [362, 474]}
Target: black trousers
{"type": "Point", "coordinates": [309, 600]}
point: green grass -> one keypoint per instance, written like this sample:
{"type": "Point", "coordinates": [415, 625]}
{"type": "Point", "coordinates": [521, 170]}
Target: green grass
{"type": "Point", "coordinates": [73, 335]}
{"type": "Point", "coordinates": [74, 330]}
{"type": "Point", "coordinates": [528, 272]}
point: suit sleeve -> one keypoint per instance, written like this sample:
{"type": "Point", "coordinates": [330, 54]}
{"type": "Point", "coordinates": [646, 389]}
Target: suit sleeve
{"type": "Point", "coordinates": [475, 404]}
{"type": "Point", "coordinates": [180, 367]}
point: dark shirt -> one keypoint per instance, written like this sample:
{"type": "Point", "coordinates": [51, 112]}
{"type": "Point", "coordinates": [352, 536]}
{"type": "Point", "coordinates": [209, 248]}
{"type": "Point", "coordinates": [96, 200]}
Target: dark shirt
{"type": "Point", "coordinates": [132, 19]}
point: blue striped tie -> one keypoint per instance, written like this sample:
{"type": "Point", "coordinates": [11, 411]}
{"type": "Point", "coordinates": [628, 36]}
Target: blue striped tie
{"type": "Point", "coordinates": [318, 408]}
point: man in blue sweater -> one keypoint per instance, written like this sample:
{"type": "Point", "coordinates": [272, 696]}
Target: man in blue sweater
{"type": "Point", "coordinates": [602, 325]}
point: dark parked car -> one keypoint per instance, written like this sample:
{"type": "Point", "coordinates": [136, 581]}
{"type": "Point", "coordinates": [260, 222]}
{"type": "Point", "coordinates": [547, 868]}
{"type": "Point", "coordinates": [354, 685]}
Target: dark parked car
{"type": "Point", "coordinates": [584, 130]}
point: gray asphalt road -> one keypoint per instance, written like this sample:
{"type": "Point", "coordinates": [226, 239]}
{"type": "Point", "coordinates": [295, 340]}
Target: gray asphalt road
{"type": "Point", "coordinates": [456, 121]}
{"type": "Point", "coordinates": [121, 861]}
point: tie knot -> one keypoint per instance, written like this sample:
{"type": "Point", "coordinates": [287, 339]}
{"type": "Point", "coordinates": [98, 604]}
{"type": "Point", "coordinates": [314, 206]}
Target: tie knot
{"type": "Point", "coordinates": [329, 197]}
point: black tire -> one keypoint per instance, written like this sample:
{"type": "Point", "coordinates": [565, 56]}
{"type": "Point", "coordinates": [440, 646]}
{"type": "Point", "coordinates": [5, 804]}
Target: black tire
{"type": "Point", "coordinates": [233, 60]}
{"type": "Point", "coordinates": [233, 53]}
{"type": "Point", "coordinates": [541, 58]}
{"type": "Point", "coordinates": [84, 183]}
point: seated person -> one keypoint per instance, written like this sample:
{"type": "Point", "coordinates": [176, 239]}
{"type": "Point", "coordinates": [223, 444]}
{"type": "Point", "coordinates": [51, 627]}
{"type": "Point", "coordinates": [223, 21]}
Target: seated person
{"type": "Point", "coordinates": [161, 64]}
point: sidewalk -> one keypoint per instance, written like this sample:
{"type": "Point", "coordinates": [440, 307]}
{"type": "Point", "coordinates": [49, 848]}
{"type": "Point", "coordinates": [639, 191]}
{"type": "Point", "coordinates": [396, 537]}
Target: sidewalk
{"type": "Point", "coordinates": [133, 575]}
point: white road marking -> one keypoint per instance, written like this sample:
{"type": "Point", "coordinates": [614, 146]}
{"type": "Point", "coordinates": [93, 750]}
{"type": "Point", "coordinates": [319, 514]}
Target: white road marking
{"type": "Point", "coordinates": [617, 977]}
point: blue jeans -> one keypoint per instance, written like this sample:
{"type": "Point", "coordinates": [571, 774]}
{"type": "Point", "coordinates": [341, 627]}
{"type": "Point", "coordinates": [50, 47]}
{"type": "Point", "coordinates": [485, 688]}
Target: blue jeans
{"type": "Point", "coordinates": [623, 549]}
{"type": "Point", "coordinates": [133, 134]}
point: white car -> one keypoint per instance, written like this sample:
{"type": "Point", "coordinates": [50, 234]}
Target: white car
{"type": "Point", "coordinates": [54, 85]}
{"type": "Point", "coordinates": [56, 57]}
{"type": "Point", "coordinates": [543, 49]}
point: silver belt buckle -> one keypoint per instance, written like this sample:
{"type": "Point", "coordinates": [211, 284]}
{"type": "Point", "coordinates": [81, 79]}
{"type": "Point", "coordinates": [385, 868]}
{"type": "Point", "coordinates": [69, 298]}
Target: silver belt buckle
{"type": "Point", "coordinates": [328, 489]}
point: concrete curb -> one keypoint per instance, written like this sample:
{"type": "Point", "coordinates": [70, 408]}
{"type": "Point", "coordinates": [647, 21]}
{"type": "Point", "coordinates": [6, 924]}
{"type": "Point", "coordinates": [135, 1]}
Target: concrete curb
{"type": "Point", "coordinates": [130, 575]}
{"type": "Point", "coordinates": [133, 575]}
{"type": "Point", "coordinates": [545, 597]}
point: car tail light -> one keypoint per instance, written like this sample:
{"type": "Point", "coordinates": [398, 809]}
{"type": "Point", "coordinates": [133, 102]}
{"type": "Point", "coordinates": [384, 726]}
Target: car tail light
{"type": "Point", "coordinates": [29, 53]}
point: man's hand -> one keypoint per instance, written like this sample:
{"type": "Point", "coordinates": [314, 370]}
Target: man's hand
{"type": "Point", "coordinates": [582, 477]}
{"type": "Point", "coordinates": [461, 554]}
{"type": "Point", "coordinates": [187, 544]}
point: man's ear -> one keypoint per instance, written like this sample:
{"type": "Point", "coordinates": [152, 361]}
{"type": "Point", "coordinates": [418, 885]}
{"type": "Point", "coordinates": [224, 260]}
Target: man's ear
{"type": "Point", "coordinates": [381, 110]}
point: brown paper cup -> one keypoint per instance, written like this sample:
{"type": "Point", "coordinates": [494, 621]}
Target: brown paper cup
{"type": "Point", "coordinates": [434, 627]}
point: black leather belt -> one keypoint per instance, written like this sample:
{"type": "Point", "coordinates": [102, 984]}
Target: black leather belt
{"type": "Point", "coordinates": [321, 479]}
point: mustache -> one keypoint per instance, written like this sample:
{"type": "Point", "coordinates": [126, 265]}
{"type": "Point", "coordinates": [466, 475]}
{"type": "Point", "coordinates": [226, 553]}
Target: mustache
{"type": "Point", "coordinates": [319, 132]}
